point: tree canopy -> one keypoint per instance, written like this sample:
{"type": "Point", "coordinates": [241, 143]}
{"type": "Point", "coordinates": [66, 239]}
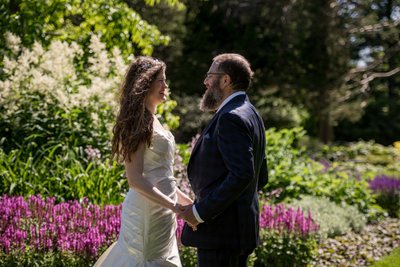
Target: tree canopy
{"type": "Point", "coordinates": [330, 66]}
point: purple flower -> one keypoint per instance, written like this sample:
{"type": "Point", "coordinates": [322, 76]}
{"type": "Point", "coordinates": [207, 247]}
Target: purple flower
{"type": "Point", "coordinates": [92, 154]}
{"type": "Point", "coordinates": [287, 220]}
{"type": "Point", "coordinates": [45, 226]}
{"type": "Point", "coordinates": [385, 184]}
{"type": "Point", "coordinates": [326, 164]}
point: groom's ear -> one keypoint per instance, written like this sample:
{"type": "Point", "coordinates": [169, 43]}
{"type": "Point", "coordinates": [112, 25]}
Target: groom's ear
{"type": "Point", "coordinates": [227, 79]}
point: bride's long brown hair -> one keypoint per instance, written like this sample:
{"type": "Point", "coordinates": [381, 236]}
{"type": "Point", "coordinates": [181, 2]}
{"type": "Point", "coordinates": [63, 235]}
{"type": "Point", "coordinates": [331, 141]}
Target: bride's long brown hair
{"type": "Point", "coordinates": [134, 123]}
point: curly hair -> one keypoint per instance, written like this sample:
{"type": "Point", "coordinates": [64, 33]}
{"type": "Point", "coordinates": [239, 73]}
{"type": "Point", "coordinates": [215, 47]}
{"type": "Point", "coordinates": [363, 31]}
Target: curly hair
{"type": "Point", "coordinates": [134, 123]}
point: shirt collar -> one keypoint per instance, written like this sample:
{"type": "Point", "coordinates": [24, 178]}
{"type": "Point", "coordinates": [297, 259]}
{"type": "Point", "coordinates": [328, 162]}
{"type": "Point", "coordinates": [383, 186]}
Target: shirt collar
{"type": "Point", "coordinates": [229, 98]}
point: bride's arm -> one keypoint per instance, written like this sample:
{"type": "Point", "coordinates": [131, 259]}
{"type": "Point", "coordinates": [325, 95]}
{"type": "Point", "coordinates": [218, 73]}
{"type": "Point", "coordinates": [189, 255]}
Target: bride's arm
{"type": "Point", "coordinates": [134, 173]}
{"type": "Point", "coordinates": [183, 199]}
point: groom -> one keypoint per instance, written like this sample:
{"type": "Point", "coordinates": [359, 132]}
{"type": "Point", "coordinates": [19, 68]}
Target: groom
{"type": "Point", "coordinates": [226, 169]}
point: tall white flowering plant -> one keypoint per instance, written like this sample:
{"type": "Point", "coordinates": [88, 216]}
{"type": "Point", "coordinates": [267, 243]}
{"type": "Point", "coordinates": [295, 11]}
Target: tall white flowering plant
{"type": "Point", "coordinates": [57, 94]}
{"type": "Point", "coordinates": [53, 73]}
{"type": "Point", "coordinates": [60, 94]}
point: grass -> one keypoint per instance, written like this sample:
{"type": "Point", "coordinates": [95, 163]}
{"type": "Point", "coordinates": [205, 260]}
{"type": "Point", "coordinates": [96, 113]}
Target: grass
{"type": "Point", "coordinates": [392, 260]}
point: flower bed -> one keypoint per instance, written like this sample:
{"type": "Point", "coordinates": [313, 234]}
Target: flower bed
{"type": "Point", "coordinates": [387, 190]}
{"type": "Point", "coordinates": [81, 231]}
{"type": "Point", "coordinates": [39, 225]}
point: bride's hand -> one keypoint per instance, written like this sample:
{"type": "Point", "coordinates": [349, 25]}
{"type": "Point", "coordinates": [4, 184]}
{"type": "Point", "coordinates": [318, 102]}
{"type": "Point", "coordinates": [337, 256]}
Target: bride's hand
{"type": "Point", "coordinates": [178, 208]}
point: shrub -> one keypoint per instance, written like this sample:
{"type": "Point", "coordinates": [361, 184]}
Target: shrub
{"type": "Point", "coordinates": [294, 173]}
{"type": "Point", "coordinates": [188, 256]}
{"type": "Point", "coordinates": [57, 109]}
{"type": "Point", "coordinates": [365, 159]}
{"type": "Point", "coordinates": [332, 218]}
{"type": "Point", "coordinates": [387, 190]}
{"type": "Point", "coordinates": [61, 94]}
{"type": "Point", "coordinates": [287, 237]}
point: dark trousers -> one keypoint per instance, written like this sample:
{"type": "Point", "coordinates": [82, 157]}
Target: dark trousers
{"type": "Point", "coordinates": [222, 258]}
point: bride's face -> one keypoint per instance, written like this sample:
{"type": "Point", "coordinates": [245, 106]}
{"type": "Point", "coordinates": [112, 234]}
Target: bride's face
{"type": "Point", "coordinates": [158, 90]}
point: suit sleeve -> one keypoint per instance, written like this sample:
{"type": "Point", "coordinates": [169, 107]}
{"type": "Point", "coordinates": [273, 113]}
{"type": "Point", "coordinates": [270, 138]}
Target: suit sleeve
{"type": "Point", "coordinates": [234, 141]}
{"type": "Point", "coordinates": [263, 177]}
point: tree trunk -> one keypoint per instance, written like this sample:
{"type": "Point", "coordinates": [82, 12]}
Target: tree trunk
{"type": "Point", "coordinates": [325, 128]}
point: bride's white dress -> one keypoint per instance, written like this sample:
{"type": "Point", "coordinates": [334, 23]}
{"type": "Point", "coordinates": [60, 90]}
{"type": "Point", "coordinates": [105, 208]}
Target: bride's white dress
{"type": "Point", "coordinates": [147, 236]}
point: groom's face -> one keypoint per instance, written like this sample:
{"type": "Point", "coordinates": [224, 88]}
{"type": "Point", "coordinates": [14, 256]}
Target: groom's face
{"type": "Point", "coordinates": [214, 94]}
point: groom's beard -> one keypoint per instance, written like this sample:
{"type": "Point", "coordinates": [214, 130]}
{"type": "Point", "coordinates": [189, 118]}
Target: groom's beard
{"type": "Point", "coordinates": [212, 98]}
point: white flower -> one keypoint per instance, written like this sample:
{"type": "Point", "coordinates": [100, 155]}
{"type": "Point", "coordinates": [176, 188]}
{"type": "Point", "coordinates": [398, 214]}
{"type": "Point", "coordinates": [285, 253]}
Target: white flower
{"type": "Point", "coordinates": [51, 71]}
{"type": "Point", "coordinates": [9, 65]}
{"type": "Point", "coordinates": [118, 62]}
{"type": "Point", "coordinates": [13, 42]}
{"type": "Point", "coordinates": [99, 62]}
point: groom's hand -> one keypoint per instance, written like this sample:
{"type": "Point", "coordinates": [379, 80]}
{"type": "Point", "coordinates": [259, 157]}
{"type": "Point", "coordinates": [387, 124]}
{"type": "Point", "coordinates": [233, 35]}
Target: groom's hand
{"type": "Point", "coordinates": [187, 215]}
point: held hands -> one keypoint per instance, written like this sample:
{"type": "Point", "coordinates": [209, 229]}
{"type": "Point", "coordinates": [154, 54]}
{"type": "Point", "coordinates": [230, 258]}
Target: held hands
{"type": "Point", "coordinates": [186, 213]}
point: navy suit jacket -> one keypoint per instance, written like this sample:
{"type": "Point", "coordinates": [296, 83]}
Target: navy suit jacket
{"type": "Point", "coordinates": [226, 169]}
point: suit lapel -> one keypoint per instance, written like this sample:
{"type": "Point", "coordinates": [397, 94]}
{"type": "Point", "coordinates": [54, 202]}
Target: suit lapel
{"type": "Point", "coordinates": [202, 134]}
{"type": "Point", "coordinates": [226, 107]}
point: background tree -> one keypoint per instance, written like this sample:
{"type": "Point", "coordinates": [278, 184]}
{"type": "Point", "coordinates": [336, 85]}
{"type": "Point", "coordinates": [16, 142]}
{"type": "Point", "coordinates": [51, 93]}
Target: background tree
{"type": "Point", "coordinates": [306, 55]}
{"type": "Point", "coordinates": [295, 47]}
{"type": "Point", "coordinates": [375, 80]}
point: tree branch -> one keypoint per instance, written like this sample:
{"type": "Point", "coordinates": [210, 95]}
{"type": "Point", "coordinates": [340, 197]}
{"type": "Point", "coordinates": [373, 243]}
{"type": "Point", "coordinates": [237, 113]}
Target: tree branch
{"type": "Point", "coordinates": [364, 83]}
{"type": "Point", "coordinates": [375, 27]}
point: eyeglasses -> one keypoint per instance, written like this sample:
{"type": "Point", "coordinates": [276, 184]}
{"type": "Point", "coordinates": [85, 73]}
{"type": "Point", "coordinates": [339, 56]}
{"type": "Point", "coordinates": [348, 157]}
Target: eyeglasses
{"type": "Point", "coordinates": [213, 73]}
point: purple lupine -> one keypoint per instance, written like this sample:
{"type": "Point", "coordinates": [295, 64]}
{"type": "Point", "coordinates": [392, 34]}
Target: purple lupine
{"type": "Point", "coordinates": [387, 190]}
{"type": "Point", "coordinates": [385, 184]}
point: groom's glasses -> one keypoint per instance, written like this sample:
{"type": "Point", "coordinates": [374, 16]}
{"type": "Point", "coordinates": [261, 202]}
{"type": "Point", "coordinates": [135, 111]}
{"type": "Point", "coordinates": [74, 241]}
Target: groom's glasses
{"type": "Point", "coordinates": [213, 73]}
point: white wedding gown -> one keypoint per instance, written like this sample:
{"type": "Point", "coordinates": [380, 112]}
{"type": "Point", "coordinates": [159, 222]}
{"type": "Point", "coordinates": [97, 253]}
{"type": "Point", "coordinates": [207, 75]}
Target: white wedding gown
{"type": "Point", "coordinates": [147, 236]}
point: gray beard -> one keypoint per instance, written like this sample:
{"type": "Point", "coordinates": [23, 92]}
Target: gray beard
{"type": "Point", "coordinates": [211, 99]}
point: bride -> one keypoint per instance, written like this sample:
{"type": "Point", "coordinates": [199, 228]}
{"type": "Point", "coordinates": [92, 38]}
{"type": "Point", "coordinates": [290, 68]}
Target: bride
{"type": "Point", "coordinates": [148, 223]}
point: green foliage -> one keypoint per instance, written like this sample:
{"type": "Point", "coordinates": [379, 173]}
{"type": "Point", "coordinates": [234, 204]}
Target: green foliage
{"type": "Point", "coordinates": [37, 124]}
{"type": "Point", "coordinates": [59, 171]}
{"type": "Point", "coordinates": [188, 256]}
{"type": "Point", "coordinates": [369, 159]}
{"type": "Point", "coordinates": [278, 111]}
{"type": "Point", "coordinates": [184, 151]}
{"type": "Point", "coordinates": [56, 124]}
{"type": "Point", "coordinates": [392, 260]}
{"type": "Point", "coordinates": [390, 201]}
{"type": "Point", "coordinates": [176, 3]}
{"type": "Point", "coordinates": [276, 249]}
{"type": "Point", "coordinates": [70, 20]}
{"type": "Point", "coordinates": [333, 219]}
{"type": "Point", "coordinates": [164, 114]}
{"type": "Point", "coordinates": [294, 173]}
{"type": "Point", "coordinates": [365, 160]}
{"type": "Point", "coordinates": [377, 48]}
{"type": "Point", "coordinates": [49, 259]}
{"type": "Point", "coordinates": [284, 250]}
{"type": "Point", "coordinates": [192, 117]}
